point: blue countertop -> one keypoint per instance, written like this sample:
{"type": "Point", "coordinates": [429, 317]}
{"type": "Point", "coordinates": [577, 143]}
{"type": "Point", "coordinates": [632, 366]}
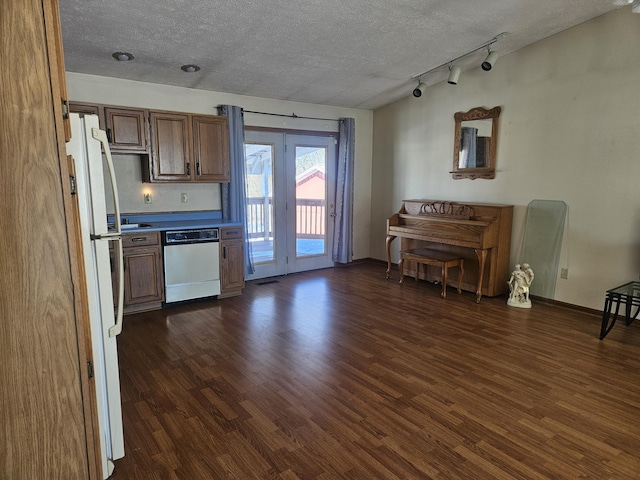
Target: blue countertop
{"type": "Point", "coordinates": [150, 222]}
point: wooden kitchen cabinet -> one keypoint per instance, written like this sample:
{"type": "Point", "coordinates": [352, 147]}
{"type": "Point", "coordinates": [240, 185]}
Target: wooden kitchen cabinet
{"type": "Point", "coordinates": [188, 148]}
{"type": "Point", "coordinates": [143, 274]}
{"type": "Point", "coordinates": [211, 148]}
{"type": "Point", "coordinates": [126, 127]}
{"type": "Point", "coordinates": [231, 261]}
{"type": "Point", "coordinates": [170, 158]}
{"type": "Point", "coordinates": [87, 109]}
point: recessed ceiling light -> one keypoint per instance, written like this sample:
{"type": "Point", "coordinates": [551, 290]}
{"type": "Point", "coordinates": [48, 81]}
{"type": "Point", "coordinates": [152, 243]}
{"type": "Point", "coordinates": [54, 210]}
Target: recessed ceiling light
{"type": "Point", "coordinates": [189, 68]}
{"type": "Point", "coordinates": [122, 56]}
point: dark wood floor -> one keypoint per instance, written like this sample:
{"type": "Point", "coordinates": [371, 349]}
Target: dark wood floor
{"type": "Point", "coordinates": [340, 373]}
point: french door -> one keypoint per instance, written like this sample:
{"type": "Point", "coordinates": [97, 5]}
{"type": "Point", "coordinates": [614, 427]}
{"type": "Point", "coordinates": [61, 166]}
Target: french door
{"type": "Point", "coordinates": [290, 201]}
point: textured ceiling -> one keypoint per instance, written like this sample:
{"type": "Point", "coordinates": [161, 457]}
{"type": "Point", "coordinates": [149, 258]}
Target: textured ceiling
{"type": "Point", "coordinates": [351, 53]}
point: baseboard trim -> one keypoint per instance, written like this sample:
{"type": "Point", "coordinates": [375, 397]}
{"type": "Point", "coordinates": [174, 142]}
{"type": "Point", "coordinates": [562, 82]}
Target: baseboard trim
{"type": "Point", "coordinates": [570, 306]}
{"type": "Point", "coordinates": [548, 301]}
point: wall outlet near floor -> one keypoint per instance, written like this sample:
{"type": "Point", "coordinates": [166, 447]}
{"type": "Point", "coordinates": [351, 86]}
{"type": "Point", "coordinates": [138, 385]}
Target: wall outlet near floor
{"type": "Point", "coordinates": [184, 198]}
{"type": "Point", "coordinates": [564, 273]}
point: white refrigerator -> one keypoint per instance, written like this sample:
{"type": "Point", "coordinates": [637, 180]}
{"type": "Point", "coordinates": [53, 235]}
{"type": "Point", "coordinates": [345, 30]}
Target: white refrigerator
{"type": "Point", "coordinates": [106, 322]}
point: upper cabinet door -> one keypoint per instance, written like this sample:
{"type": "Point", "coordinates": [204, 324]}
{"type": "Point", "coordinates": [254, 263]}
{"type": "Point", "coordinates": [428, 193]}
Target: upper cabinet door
{"type": "Point", "coordinates": [126, 129]}
{"type": "Point", "coordinates": [211, 148]}
{"type": "Point", "coordinates": [84, 109]}
{"type": "Point", "coordinates": [170, 156]}
{"type": "Point", "coordinates": [88, 109]}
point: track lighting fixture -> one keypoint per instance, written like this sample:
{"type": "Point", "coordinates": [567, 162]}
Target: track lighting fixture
{"type": "Point", "coordinates": [491, 59]}
{"type": "Point", "coordinates": [419, 90]}
{"type": "Point", "coordinates": [456, 70]}
{"type": "Point", "coordinates": [454, 74]}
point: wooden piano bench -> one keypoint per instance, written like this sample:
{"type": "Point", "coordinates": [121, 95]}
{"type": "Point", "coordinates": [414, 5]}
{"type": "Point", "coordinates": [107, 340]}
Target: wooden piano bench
{"type": "Point", "coordinates": [425, 256]}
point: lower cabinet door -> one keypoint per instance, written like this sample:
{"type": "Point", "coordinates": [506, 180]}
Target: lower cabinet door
{"type": "Point", "coordinates": [231, 266]}
{"type": "Point", "coordinates": [142, 275]}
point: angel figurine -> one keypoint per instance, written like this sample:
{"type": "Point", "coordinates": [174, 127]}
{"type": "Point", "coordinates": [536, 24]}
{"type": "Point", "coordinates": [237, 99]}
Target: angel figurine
{"type": "Point", "coordinates": [519, 283]}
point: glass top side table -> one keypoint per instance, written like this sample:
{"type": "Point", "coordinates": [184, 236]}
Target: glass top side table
{"type": "Point", "coordinates": [627, 294]}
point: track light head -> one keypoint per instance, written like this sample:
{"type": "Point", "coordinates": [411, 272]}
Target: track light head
{"type": "Point", "coordinates": [419, 90]}
{"type": "Point", "coordinates": [490, 61]}
{"type": "Point", "coordinates": [454, 74]}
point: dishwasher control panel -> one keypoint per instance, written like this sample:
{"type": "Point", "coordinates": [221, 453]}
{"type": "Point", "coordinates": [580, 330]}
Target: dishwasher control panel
{"type": "Point", "coordinates": [191, 236]}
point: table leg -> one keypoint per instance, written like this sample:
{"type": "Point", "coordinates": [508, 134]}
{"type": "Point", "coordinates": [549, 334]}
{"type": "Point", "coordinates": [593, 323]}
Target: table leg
{"type": "Point", "coordinates": [606, 327]}
{"type": "Point", "coordinates": [389, 239]}
{"type": "Point", "coordinates": [630, 302]}
{"type": "Point", "coordinates": [482, 258]}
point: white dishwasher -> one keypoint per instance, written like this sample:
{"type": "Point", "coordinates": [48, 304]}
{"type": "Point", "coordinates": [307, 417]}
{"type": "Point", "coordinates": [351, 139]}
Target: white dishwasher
{"type": "Point", "coordinates": [191, 264]}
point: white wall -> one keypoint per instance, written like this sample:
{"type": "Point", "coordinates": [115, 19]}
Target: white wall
{"type": "Point", "coordinates": [568, 131]}
{"type": "Point", "coordinates": [96, 89]}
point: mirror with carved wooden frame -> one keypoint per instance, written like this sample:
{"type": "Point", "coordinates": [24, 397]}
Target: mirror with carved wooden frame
{"type": "Point", "coordinates": [475, 140]}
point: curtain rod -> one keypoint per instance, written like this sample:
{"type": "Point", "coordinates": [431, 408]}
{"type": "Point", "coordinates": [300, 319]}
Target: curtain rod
{"type": "Point", "coordinates": [293, 115]}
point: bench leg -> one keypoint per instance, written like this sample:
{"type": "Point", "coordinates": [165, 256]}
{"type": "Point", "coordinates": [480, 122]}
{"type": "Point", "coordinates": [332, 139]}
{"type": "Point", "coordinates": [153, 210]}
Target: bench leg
{"type": "Point", "coordinates": [401, 268]}
{"type": "Point", "coordinates": [445, 272]}
{"type": "Point", "coordinates": [460, 275]}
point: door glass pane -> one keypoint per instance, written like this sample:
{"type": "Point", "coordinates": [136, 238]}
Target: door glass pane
{"type": "Point", "coordinates": [311, 199]}
{"type": "Point", "coordinates": [260, 221]}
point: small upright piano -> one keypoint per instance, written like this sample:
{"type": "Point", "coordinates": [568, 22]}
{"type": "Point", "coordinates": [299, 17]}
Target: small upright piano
{"type": "Point", "coordinates": [478, 232]}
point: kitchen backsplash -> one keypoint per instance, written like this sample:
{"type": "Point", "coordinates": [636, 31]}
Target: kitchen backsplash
{"type": "Point", "coordinates": [165, 197]}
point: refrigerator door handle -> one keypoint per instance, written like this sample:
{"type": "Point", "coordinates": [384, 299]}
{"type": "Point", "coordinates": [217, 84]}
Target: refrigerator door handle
{"type": "Point", "coordinates": [101, 136]}
{"type": "Point", "coordinates": [117, 328]}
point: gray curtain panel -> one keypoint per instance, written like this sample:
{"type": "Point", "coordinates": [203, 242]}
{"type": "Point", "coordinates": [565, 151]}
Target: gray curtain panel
{"type": "Point", "coordinates": [343, 232]}
{"type": "Point", "coordinates": [234, 193]}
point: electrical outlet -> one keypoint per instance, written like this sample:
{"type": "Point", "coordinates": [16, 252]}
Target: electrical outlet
{"type": "Point", "coordinates": [183, 198]}
{"type": "Point", "coordinates": [564, 273]}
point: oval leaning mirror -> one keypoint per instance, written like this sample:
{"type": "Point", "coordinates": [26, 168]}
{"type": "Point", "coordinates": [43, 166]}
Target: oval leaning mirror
{"type": "Point", "coordinates": [475, 141]}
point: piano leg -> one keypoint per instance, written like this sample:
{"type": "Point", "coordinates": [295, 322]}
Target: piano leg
{"type": "Point", "coordinates": [390, 239]}
{"type": "Point", "coordinates": [482, 258]}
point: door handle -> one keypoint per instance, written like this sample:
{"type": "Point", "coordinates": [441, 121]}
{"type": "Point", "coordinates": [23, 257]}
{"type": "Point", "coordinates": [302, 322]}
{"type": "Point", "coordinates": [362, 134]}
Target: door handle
{"type": "Point", "coordinates": [117, 328]}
